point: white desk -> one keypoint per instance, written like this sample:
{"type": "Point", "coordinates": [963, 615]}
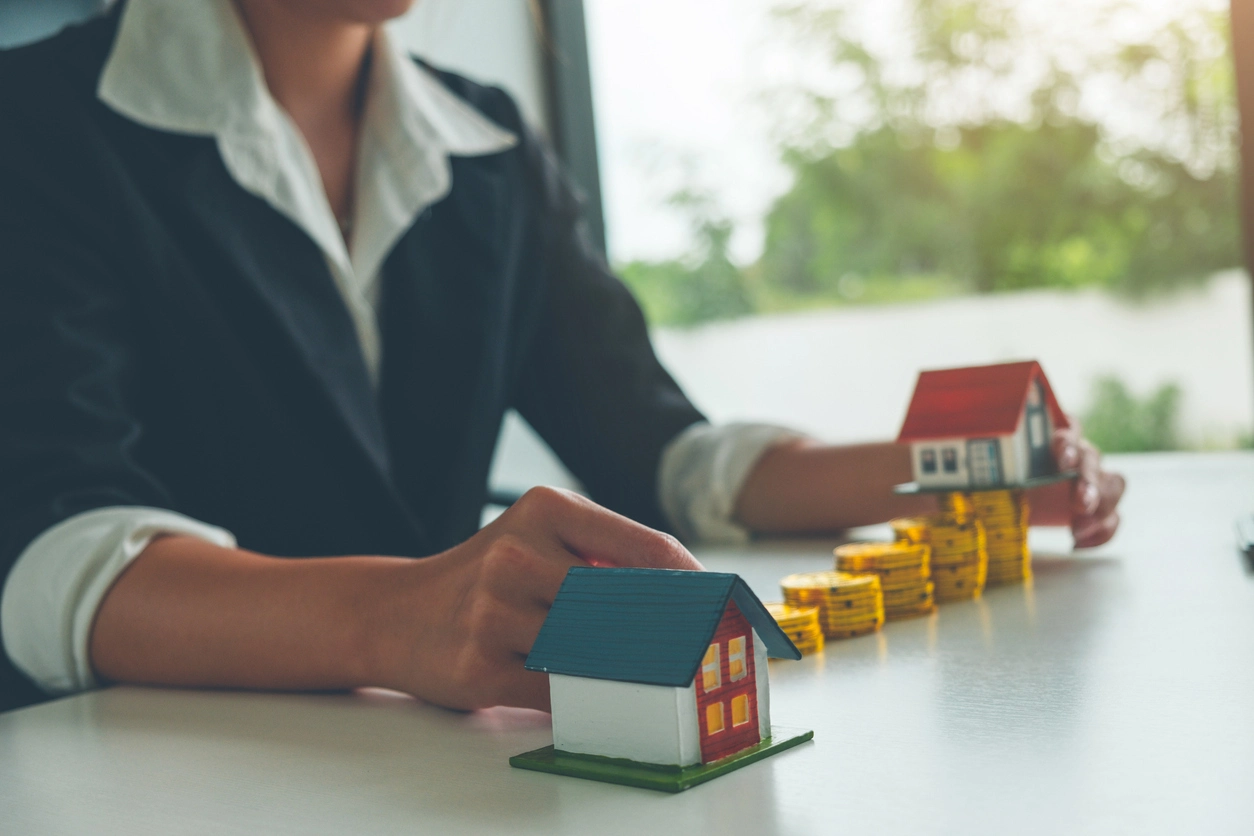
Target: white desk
{"type": "Point", "coordinates": [1114, 696]}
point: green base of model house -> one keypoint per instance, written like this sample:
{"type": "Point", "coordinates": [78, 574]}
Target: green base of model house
{"type": "Point", "coordinates": [653, 776]}
{"type": "Point", "coordinates": [1035, 482]}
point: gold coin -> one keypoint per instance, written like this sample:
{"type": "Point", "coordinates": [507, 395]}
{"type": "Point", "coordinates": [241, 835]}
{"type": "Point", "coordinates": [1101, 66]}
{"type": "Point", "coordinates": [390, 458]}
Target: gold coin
{"type": "Point", "coordinates": [881, 555]}
{"type": "Point", "coordinates": [954, 586]}
{"type": "Point", "coordinates": [780, 610]}
{"type": "Point", "coordinates": [829, 582]}
{"type": "Point", "coordinates": [853, 634]}
{"type": "Point", "coordinates": [955, 502]}
{"type": "Point", "coordinates": [906, 603]}
{"type": "Point", "coordinates": [964, 595]}
{"type": "Point", "coordinates": [846, 618]}
{"type": "Point", "coordinates": [910, 529]}
{"type": "Point", "coordinates": [969, 564]}
{"type": "Point", "coordinates": [943, 544]}
{"type": "Point", "coordinates": [842, 602]}
{"type": "Point", "coordinates": [912, 612]}
{"type": "Point", "coordinates": [834, 616]}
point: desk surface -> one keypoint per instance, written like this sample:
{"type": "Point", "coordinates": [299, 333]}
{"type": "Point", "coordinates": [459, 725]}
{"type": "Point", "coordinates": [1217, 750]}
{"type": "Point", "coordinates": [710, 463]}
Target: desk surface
{"type": "Point", "coordinates": [1116, 694]}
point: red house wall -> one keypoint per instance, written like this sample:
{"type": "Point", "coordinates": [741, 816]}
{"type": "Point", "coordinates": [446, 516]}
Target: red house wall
{"type": "Point", "coordinates": [732, 738]}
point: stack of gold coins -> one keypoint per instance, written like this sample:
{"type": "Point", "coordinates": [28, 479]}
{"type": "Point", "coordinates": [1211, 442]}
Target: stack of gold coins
{"type": "Point", "coordinates": [903, 572]}
{"type": "Point", "coordinates": [911, 529]}
{"type": "Point", "coordinates": [849, 605]}
{"type": "Point", "coordinates": [957, 506]}
{"type": "Point", "coordinates": [801, 624]}
{"type": "Point", "coordinates": [1004, 515]}
{"type": "Point", "coordinates": [959, 559]}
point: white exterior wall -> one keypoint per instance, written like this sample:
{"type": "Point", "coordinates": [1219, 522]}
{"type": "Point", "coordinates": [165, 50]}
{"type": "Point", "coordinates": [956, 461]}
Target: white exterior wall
{"type": "Point", "coordinates": [940, 479]}
{"type": "Point", "coordinates": [1015, 460]}
{"type": "Point", "coordinates": [646, 723]}
{"type": "Point", "coordinates": [762, 678]}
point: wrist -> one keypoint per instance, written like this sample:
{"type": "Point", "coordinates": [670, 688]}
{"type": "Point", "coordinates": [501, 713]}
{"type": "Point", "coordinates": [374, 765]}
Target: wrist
{"type": "Point", "coordinates": [373, 603]}
{"type": "Point", "coordinates": [389, 613]}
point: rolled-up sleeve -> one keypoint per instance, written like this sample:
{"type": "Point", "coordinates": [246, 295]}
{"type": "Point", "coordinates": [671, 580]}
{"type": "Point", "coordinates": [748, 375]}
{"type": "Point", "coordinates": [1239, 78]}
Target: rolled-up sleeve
{"type": "Point", "coordinates": [53, 591]}
{"type": "Point", "coordinates": [71, 434]}
{"type": "Point", "coordinates": [702, 472]}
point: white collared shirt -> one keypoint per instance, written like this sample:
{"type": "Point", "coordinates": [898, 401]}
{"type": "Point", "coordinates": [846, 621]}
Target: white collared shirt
{"type": "Point", "coordinates": [155, 76]}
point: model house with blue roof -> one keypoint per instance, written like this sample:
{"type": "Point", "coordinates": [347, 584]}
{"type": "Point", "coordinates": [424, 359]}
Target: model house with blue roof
{"type": "Point", "coordinates": [660, 668]}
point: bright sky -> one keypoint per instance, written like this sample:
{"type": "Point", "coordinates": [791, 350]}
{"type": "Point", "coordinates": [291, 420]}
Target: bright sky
{"type": "Point", "coordinates": [674, 87]}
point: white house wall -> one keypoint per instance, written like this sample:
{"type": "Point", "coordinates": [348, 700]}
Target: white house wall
{"type": "Point", "coordinates": [941, 479]}
{"type": "Point", "coordinates": [647, 723]}
{"type": "Point", "coordinates": [1014, 454]}
{"type": "Point", "coordinates": [762, 678]}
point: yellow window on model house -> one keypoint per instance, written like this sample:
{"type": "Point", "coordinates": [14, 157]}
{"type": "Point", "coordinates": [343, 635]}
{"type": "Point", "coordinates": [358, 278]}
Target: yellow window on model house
{"type": "Point", "coordinates": [714, 718]}
{"type": "Point", "coordinates": [711, 678]}
{"type": "Point", "coordinates": [740, 710]}
{"type": "Point", "coordinates": [736, 668]}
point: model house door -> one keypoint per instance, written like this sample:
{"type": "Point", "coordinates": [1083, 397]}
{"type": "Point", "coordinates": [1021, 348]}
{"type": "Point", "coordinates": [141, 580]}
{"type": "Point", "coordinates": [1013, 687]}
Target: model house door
{"type": "Point", "coordinates": [984, 461]}
{"type": "Point", "coordinates": [1040, 462]}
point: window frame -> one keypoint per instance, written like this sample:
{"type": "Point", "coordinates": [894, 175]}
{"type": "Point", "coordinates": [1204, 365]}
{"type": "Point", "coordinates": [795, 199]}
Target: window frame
{"type": "Point", "coordinates": [710, 713]}
{"type": "Point", "coordinates": [737, 656]}
{"type": "Point", "coordinates": [710, 669]}
{"type": "Point", "coordinates": [572, 120]}
{"type": "Point", "coordinates": [740, 699]}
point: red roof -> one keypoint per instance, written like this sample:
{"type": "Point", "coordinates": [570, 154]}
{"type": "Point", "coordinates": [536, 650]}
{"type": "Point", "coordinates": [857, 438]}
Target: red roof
{"type": "Point", "coordinates": [975, 401]}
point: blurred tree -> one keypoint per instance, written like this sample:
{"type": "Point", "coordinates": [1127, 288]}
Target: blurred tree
{"type": "Point", "coordinates": [925, 159]}
{"type": "Point", "coordinates": [1011, 206]}
{"type": "Point", "coordinates": [960, 155]}
{"type": "Point", "coordinates": [1119, 422]}
{"type": "Point", "coordinates": [703, 287]}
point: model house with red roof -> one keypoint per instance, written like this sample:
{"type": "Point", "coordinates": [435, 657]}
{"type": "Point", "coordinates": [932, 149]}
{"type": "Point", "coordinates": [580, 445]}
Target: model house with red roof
{"type": "Point", "coordinates": [657, 678]}
{"type": "Point", "coordinates": [982, 427]}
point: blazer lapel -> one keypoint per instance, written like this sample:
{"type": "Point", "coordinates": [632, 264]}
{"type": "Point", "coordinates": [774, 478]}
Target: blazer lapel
{"type": "Point", "coordinates": [447, 295]}
{"type": "Point", "coordinates": [291, 276]}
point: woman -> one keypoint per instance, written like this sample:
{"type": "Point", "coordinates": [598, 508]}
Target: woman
{"type": "Point", "coordinates": [270, 283]}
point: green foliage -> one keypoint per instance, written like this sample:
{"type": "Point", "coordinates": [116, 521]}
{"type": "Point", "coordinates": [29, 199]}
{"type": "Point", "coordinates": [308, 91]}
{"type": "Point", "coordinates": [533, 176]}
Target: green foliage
{"type": "Point", "coordinates": [1009, 206]}
{"type": "Point", "coordinates": [937, 173]}
{"type": "Point", "coordinates": [704, 287]}
{"type": "Point", "coordinates": [1119, 422]}
{"type": "Point", "coordinates": [944, 166]}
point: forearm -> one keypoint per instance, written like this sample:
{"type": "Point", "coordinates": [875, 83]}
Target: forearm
{"type": "Point", "coordinates": [807, 487]}
{"type": "Point", "coordinates": [190, 613]}
{"type": "Point", "coordinates": [452, 629]}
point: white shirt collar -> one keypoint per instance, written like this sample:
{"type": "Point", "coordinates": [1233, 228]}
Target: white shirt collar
{"type": "Point", "coordinates": [189, 67]}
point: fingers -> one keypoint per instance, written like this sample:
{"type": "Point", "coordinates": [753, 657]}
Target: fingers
{"type": "Point", "coordinates": [1093, 529]}
{"type": "Point", "coordinates": [1065, 447]}
{"type": "Point", "coordinates": [598, 535]}
{"type": "Point", "coordinates": [1110, 489]}
{"type": "Point", "coordinates": [1097, 532]}
{"type": "Point", "coordinates": [1087, 492]}
{"type": "Point", "coordinates": [502, 626]}
{"type": "Point", "coordinates": [1051, 504]}
{"type": "Point", "coordinates": [523, 689]}
{"type": "Point", "coordinates": [526, 567]}
{"type": "Point", "coordinates": [1074, 453]}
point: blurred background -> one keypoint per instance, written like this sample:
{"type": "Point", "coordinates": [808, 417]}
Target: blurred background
{"type": "Point", "coordinates": [814, 199]}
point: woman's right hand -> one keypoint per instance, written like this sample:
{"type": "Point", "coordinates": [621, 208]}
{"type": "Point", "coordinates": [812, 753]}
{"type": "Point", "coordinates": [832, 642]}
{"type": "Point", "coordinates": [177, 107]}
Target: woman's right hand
{"type": "Point", "coordinates": [458, 626]}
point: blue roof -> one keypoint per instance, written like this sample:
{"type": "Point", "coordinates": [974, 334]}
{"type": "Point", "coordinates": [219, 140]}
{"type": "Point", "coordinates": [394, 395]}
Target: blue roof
{"type": "Point", "coordinates": [644, 625]}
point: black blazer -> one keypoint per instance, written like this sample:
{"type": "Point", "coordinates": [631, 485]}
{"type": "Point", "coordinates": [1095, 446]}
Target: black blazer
{"type": "Point", "coordinates": [169, 340]}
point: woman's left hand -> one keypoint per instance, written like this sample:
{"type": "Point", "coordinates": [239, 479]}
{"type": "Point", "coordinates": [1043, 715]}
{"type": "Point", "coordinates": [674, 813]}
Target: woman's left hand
{"type": "Point", "coordinates": [1087, 504]}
